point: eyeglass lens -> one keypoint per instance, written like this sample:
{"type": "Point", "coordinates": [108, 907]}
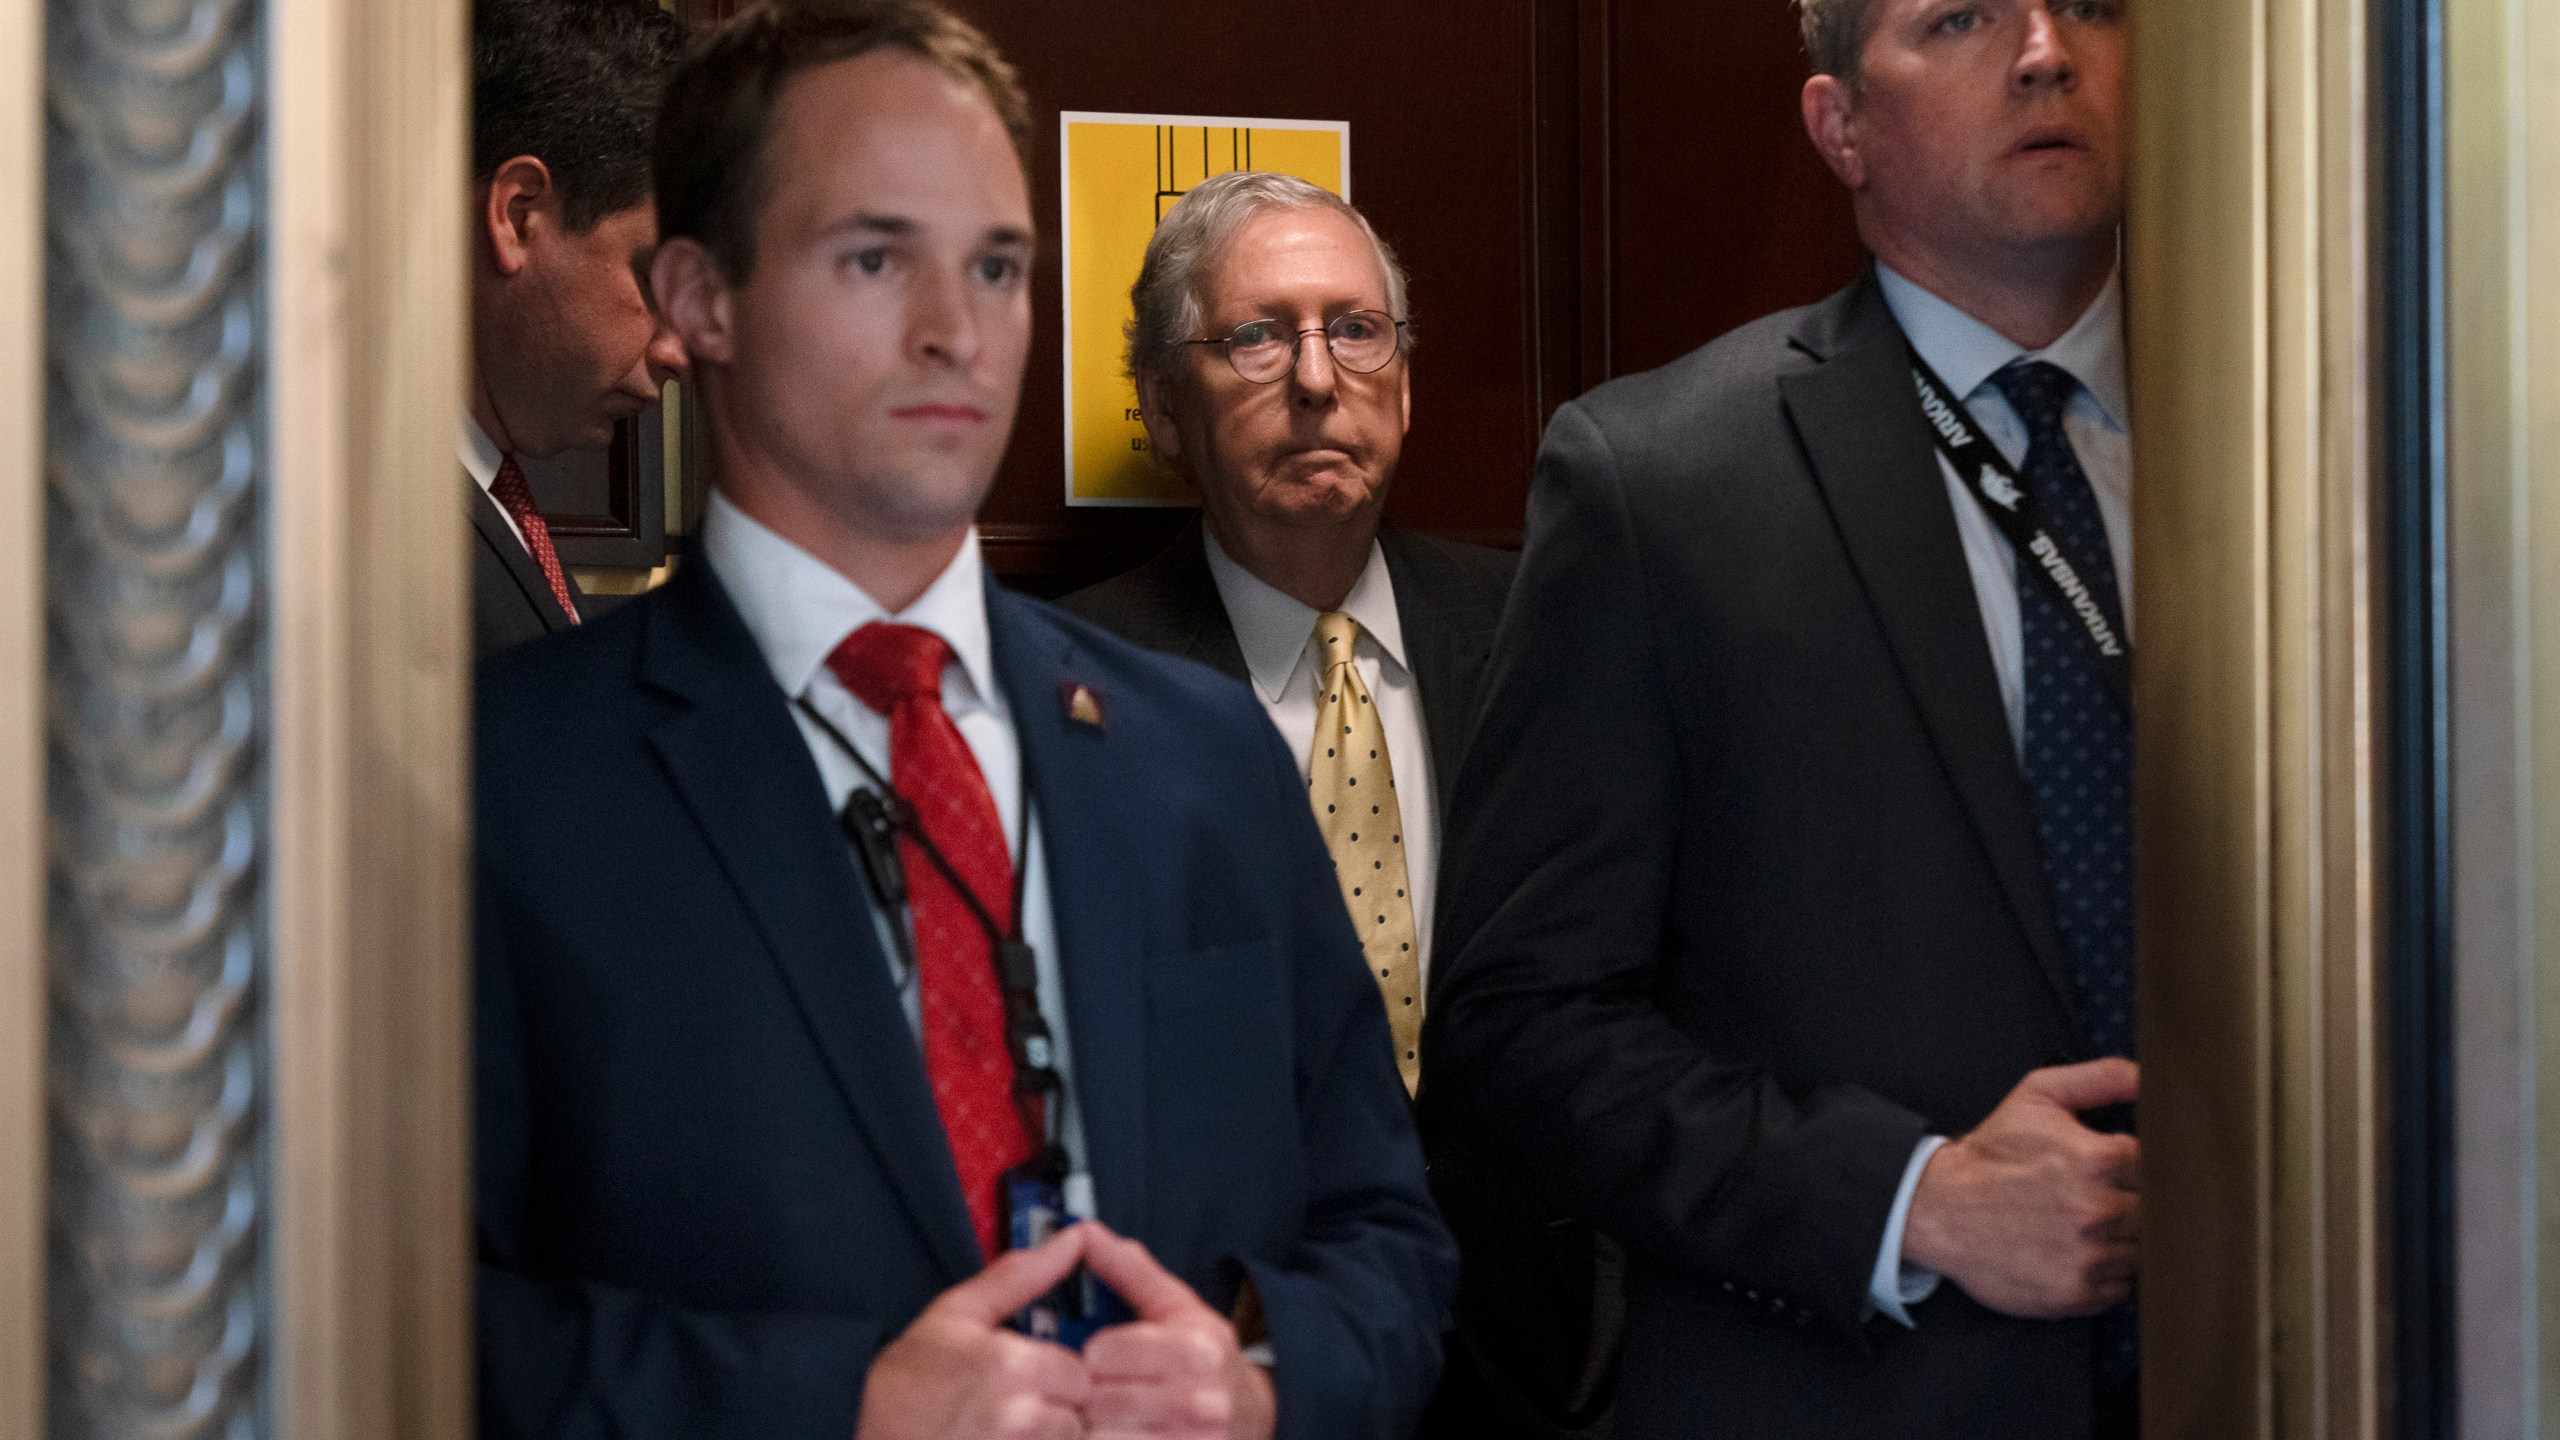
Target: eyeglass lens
{"type": "Point", "coordinates": [1362, 342]}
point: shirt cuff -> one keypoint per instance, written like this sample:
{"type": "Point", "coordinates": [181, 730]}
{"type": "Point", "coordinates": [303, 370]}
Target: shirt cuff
{"type": "Point", "coordinates": [1896, 1284]}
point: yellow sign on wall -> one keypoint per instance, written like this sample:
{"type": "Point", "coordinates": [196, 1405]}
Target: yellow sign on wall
{"type": "Point", "coordinates": [1117, 175]}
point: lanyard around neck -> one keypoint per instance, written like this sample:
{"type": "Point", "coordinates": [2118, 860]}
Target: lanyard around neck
{"type": "Point", "coordinates": [875, 818]}
{"type": "Point", "coordinates": [2020, 518]}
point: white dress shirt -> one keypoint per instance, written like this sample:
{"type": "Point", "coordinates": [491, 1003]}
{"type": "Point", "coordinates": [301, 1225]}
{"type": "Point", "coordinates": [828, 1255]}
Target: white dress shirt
{"type": "Point", "coordinates": [799, 609]}
{"type": "Point", "coordinates": [1277, 634]}
{"type": "Point", "coordinates": [1966, 353]}
{"type": "Point", "coordinates": [480, 459]}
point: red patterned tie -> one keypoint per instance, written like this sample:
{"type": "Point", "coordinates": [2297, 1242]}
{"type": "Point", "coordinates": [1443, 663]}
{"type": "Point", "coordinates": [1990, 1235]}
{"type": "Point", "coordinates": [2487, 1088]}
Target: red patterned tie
{"type": "Point", "coordinates": [897, 671]}
{"type": "Point", "coordinates": [516, 498]}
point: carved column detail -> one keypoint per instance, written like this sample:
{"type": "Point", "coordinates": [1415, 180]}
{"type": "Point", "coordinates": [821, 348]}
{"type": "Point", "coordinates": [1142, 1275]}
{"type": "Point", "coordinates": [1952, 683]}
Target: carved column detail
{"type": "Point", "coordinates": [156, 717]}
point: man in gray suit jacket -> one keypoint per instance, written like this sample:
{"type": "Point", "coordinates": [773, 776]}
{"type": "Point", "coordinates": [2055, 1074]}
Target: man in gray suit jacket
{"type": "Point", "coordinates": [564, 342]}
{"type": "Point", "coordinates": [1271, 351]}
{"type": "Point", "coordinates": [1789, 915]}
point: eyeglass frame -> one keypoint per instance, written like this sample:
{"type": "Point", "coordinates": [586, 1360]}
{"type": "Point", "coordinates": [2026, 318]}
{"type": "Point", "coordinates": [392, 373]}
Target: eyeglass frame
{"type": "Point", "coordinates": [1298, 340]}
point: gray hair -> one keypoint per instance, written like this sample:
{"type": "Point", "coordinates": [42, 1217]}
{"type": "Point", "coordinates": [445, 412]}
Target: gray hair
{"type": "Point", "coordinates": [1165, 303]}
{"type": "Point", "coordinates": [1835, 32]}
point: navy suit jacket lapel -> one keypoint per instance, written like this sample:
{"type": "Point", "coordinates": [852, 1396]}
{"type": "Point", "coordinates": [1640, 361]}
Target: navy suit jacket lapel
{"type": "Point", "coordinates": [745, 774]}
{"type": "Point", "coordinates": [1080, 775]}
{"type": "Point", "coordinates": [1859, 419]}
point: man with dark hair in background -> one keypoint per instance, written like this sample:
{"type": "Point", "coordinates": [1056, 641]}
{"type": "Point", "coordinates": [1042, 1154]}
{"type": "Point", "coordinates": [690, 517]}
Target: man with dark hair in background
{"type": "Point", "coordinates": [845, 923]}
{"type": "Point", "coordinates": [1789, 914]}
{"type": "Point", "coordinates": [564, 344]}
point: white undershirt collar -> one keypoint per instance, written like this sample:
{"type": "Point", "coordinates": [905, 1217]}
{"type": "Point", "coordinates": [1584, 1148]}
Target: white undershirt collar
{"type": "Point", "coordinates": [1273, 627]}
{"type": "Point", "coordinates": [799, 608]}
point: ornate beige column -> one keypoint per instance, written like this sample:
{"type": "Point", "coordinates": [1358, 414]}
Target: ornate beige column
{"type": "Point", "coordinates": [156, 716]}
{"type": "Point", "coordinates": [233, 669]}
{"type": "Point", "coordinates": [2256, 695]}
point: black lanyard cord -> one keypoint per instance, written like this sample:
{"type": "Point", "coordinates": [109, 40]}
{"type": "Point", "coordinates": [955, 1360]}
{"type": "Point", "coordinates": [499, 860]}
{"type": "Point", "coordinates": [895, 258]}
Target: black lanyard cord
{"type": "Point", "coordinates": [873, 819]}
{"type": "Point", "coordinates": [2015, 511]}
{"type": "Point", "coordinates": [902, 817]}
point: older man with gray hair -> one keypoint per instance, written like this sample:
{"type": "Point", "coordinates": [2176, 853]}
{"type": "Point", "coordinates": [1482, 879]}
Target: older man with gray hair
{"type": "Point", "coordinates": [1272, 346]}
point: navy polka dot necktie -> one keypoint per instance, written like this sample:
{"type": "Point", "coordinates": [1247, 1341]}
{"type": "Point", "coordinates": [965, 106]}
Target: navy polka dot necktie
{"type": "Point", "coordinates": [2078, 755]}
{"type": "Point", "coordinates": [2077, 747]}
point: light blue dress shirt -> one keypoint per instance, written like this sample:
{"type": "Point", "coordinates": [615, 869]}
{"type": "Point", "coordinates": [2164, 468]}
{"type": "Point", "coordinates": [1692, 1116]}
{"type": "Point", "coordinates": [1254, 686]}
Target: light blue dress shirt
{"type": "Point", "coordinates": [1966, 353]}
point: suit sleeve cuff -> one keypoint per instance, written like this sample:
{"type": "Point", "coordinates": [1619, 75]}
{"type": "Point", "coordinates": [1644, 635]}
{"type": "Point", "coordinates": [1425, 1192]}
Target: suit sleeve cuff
{"type": "Point", "coordinates": [1896, 1285]}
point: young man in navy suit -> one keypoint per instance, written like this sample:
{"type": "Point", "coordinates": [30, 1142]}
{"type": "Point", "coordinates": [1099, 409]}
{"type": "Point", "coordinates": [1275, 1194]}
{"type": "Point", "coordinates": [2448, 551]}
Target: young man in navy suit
{"type": "Point", "coordinates": [830, 898]}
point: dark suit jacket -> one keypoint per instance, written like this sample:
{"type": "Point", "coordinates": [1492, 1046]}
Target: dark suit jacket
{"type": "Point", "coordinates": [712, 1182]}
{"type": "Point", "coordinates": [511, 602]}
{"type": "Point", "coordinates": [1742, 893]}
{"type": "Point", "coordinates": [1539, 1313]}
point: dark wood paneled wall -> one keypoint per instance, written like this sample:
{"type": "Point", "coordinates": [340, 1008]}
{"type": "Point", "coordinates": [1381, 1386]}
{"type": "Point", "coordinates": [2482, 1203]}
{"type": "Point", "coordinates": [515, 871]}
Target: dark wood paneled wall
{"type": "Point", "coordinates": [1580, 188]}
{"type": "Point", "coordinates": [1719, 209]}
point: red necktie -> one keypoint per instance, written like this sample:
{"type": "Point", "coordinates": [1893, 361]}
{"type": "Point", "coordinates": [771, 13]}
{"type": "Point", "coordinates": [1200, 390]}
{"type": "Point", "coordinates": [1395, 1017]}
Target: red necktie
{"type": "Point", "coordinates": [897, 671]}
{"type": "Point", "coordinates": [516, 498]}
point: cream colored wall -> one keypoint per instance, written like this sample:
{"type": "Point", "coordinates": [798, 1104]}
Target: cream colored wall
{"type": "Point", "coordinates": [2536, 62]}
{"type": "Point", "coordinates": [2503, 339]}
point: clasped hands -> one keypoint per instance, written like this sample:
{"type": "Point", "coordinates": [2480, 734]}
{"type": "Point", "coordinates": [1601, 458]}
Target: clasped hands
{"type": "Point", "coordinates": [2034, 1214]}
{"type": "Point", "coordinates": [958, 1373]}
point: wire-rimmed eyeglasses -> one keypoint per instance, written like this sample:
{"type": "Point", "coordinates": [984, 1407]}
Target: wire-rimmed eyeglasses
{"type": "Point", "coordinates": [1262, 351]}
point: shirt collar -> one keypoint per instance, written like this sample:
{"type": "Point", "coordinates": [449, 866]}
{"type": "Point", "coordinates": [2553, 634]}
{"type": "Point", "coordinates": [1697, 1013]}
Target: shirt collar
{"type": "Point", "coordinates": [1965, 352]}
{"type": "Point", "coordinates": [1274, 628]}
{"type": "Point", "coordinates": [799, 608]}
{"type": "Point", "coordinates": [479, 453]}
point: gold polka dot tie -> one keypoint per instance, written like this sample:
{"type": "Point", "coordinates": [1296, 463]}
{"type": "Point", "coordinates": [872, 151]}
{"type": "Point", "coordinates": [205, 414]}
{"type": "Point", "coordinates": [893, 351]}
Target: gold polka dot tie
{"type": "Point", "coordinates": [1353, 789]}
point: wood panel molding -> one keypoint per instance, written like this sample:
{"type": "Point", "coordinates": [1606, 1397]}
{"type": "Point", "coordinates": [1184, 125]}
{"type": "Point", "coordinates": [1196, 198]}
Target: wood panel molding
{"type": "Point", "coordinates": [22, 690]}
{"type": "Point", "coordinates": [369, 660]}
{"type": "Point", "coordinates": [2258, 879]}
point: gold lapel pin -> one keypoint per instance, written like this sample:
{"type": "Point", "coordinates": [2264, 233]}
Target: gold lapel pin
{"type": "Point", "coordinates": [1083, 706]}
